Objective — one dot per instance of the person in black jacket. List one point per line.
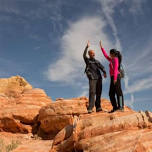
(92, 71)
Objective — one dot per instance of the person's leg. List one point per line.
(119, 93)
(98, 95)
(112, 93)
(92, 92)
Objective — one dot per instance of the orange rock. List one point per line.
(34, 97)
(13, 86)
(24, 109)
(102, 132)
(18, 113)
(120, 141)
(23, 143)
(34, 146)
(57, 115)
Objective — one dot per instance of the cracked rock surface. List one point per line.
(35, 123)
(127, 131)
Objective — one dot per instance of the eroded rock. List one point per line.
(19, 111)
(104, 132)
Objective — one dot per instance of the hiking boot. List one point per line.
(99, 109)
(120, 103)
(113, 110)
(120, 109)
(89, 111)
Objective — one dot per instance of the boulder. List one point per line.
(57, 115)
(13, 86)
(19, 110)
(102, 132)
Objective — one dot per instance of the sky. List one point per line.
(43, 41)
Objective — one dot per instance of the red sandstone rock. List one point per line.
(13, 86)
(19, 113)
(34, 97)
(21, 108)
(120, 141)
(57, 115)
(23, 143)
(106, 132)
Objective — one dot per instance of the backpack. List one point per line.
(120, 68)
(122, 71)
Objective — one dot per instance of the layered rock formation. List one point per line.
(13, 86)
(57, 115)
(20, 105)
(96, 132)
(99, 132)
(25, 110)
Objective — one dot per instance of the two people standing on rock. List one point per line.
(92, 71)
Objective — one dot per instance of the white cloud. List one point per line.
(74, 41)
(108, 8)
(70, 66)
(140, 85)
(141, 62)
(135, 66)
(138, 69)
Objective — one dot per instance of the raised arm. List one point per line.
(104, 52)
(85, 52)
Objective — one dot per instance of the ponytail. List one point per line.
(119, 58)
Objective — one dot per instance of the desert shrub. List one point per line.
(8, 148)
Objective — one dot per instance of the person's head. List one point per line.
(91, 53)
(113, 53)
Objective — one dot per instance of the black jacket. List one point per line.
(93, 67)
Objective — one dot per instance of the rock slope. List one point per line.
(127, 131)
(30, 117)
(20, 105)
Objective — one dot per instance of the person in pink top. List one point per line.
(115, 86)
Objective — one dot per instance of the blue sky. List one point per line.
(43, 41)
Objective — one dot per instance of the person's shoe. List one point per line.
(89, 111)
(113, 110)
(99, 109)
(121, 110)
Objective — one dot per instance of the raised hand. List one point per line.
(100, 44)
(105, 75)
(115, 81)
(88, 44)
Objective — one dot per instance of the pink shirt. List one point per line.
(113, 66)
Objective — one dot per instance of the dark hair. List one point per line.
(117, 54)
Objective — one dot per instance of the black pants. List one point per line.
(115, 89)
(95, 88)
